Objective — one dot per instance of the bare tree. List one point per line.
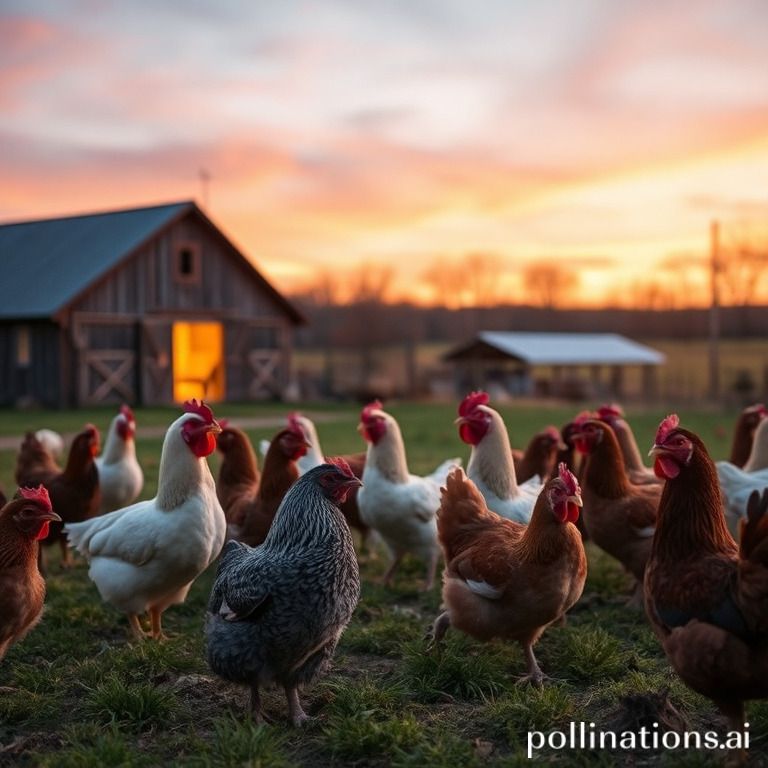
(547, 283)
(743, 263)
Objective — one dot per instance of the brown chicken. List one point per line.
(744, 433)
(74, 492)
(23, 522)
(278, 475)
(504, 579)
(637, 472)
(706, 597)
(238, 480)
(539, 456)
(34, 462)
(618, 515)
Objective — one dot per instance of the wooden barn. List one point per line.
(149, 305)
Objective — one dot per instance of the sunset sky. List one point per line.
(340, 134)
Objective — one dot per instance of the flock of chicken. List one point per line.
(510, 530)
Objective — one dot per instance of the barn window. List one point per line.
(23, 347)
(187, 267)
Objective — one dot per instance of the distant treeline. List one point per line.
(371, 323)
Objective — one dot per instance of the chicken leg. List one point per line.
(535, 676)
(386, 579)
(155, 615)
(438, 629)
(136, 628)
(255, 705)
(297, 714)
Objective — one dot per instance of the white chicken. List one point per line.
(120, 476)
(491, 467)
(52, 441)
(400, 506)
(146, 556)
(758, 456)
(737, 485)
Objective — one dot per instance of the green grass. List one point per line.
(77, 692)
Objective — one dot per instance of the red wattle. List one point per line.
(466, 434)
(665, 468)
(573, 512)
(581, 445)
(204, 445)
(44, 530)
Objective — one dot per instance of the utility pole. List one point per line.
(714, 312)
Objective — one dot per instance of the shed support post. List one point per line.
(617, 382)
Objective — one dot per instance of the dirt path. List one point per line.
(12, 442)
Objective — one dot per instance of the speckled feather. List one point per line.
(293, 595)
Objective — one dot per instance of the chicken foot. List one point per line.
(297, 714)
(535, 676)
(136, 628)
(437, 631)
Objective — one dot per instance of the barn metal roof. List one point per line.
(47, 263)
(561, 349)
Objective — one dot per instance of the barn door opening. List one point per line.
(198, 361)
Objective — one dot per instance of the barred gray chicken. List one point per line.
(276, 611)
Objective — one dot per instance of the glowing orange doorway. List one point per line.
(198, 361)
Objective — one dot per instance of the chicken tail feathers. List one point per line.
(754, 529)
(462, 511)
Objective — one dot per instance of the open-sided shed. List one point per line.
(146, 305)
(573, 365)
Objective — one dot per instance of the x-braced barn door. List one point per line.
(256, 360)
(106, 354)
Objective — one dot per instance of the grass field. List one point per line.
(77, 693)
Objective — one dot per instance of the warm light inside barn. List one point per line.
(198, 361)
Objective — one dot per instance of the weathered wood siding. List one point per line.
(146, 291)
(37, 383)
(147, 283)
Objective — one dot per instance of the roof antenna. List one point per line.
(205, 179)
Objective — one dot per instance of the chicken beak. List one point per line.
(576, 499)
(461, 420)
(353, 482)
(215, 428)
(561, 446)
(50, 515)
(656, 450)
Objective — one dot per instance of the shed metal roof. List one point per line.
(48, 263)
(563, 348)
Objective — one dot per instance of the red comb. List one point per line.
(610, 412)
(666, 426)
(293, 421)
(471, 401)
(200, 409)
(366, 413)
(342, 464)
(580, 418)
(571, 483)
(37, 494)
(127, 412)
